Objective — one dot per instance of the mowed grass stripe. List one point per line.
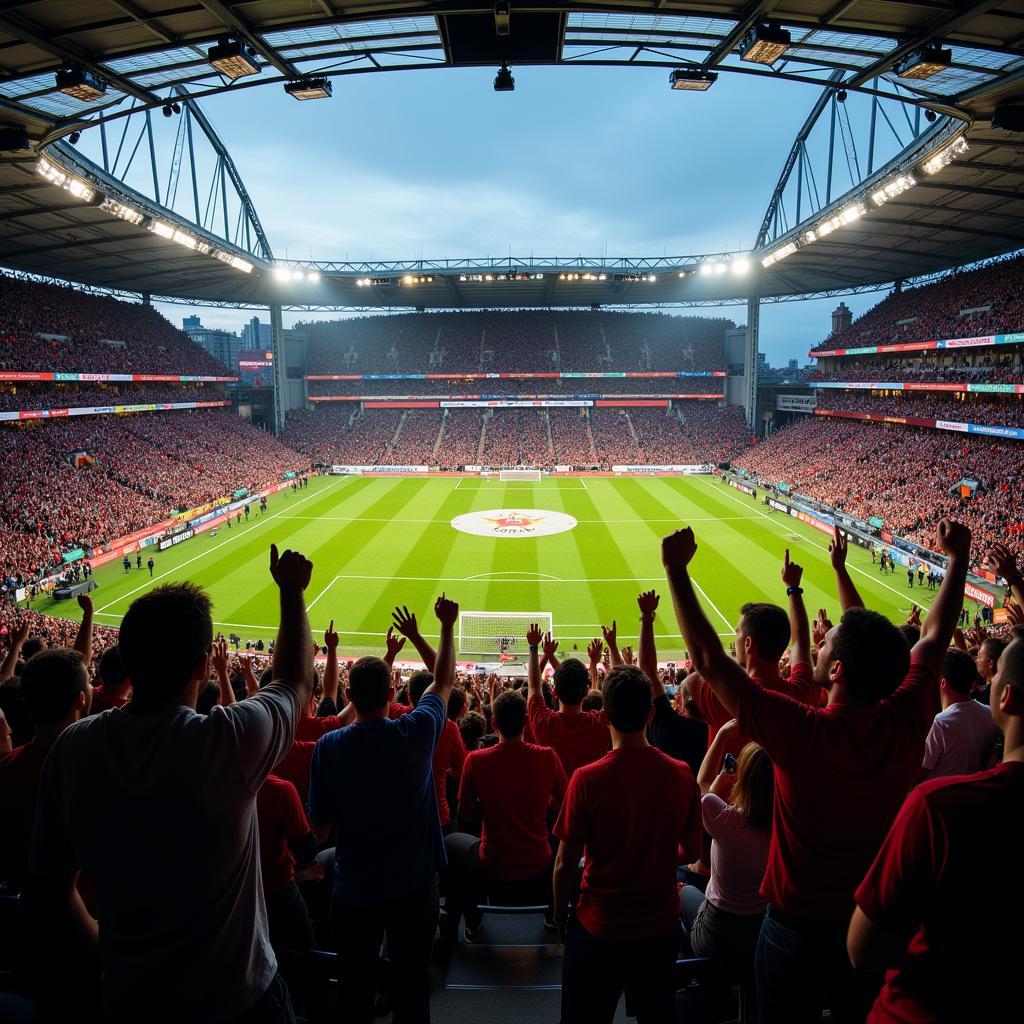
(514, 561)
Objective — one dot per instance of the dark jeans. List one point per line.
(273, 1007)
(717, 933)
(290, 926)
(596, 972)
(409, 923)
(801, 966)
(467, 883)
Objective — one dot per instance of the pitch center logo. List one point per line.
(514, 522)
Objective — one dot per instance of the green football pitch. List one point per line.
(378, 542)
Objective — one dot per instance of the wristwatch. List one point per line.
(790, 591)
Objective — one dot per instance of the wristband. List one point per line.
(790, 591)
(533, 648)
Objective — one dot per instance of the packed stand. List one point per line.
(907, 477)
(661, 821)
(527, 388)
(91, 333)
(21, 396)
(963, 366)
(969, 303)
(1005, 411)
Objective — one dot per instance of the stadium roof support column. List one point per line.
(750, 362)
(280, 369)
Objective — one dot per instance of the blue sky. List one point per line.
(587, 161)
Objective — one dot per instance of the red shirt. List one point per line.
(295, 766)
(577, 739)
(310, 728)
(633, 810)
(949, 833)
(281, 820)
(397, 710)
(513, 785)
(103, 699)
(19, 792)
(449, 756)
(841, 774)
(800, 686)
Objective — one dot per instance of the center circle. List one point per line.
(514, 522)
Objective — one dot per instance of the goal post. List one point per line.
(499, 634)
(531, 475)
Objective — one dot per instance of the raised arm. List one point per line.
(647, 650)
(444, 665)
(800, 627)
(550, 645)
(723, 675)
(848, 595)
(394, 644)
(405, 623)
(954, 540)
(83, 641)
(1003, 562)
(331, 668)
(252, 684)
(219, 663)
(533, 639)
(594, 651)
(610, 634)
(18, 638)
(293, 660)
(711, 766)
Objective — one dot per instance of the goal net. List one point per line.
(500, 635)
(532, 475)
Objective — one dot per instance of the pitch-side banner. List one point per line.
(339, 470)
(922, 346)
(688, 470)
(989, 430)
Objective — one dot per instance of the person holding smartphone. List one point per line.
(736, 807)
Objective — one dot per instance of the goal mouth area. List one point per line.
(500, 636)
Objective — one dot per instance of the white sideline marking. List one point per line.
(334, 580)
(902, 595)
(584, 482)
(458, 483)
(203, 554)
(515, 572)
(728, 626)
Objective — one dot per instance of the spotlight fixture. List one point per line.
(502, 17)
(166, 110)
(503, 80)
(778, 254)
(930, 116)
(310, 88)
(691, 80)
(233, 58)
(924, 63)
(81, 84)
(945, 156)
(893, 188)
(74, 137)
(764, 44)
(57, 176)
(841, 96)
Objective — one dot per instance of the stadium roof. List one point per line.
(143, 49)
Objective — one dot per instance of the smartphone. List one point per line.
(729, 764)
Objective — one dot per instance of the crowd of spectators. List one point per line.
(808, 813)
(1007, 411)
(554, 387)
(689, 433)
(970, 303)
(989, 366)
(509, 341)
(908, 477)
(70, 396)
(51, 327)
(131, 472)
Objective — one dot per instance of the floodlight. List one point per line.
(764, 44)
(924, 63)
(81, 84)
(778, 254)
(282, 273)
(74, 137)
(310, 88)
(56, 176)
(297, 275)
(233, 261)
(741, 265)
(503, 80)
(706, 269)
(233, 58)
(158, 227)
(945, 156)
(691, 80)
(313, 275)
(930, 116)
(122, 211)
(892, 188)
